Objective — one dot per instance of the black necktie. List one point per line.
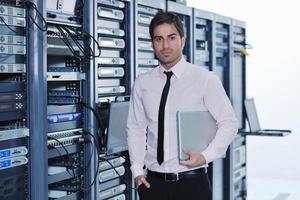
(161, 119)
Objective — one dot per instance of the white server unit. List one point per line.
(145, 58)
(202, 41)
(114, 65)
(221, 45)
(236, 179)
(109, 183)
(237, 82)
(185, 13)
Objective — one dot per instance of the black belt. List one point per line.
(177, 176)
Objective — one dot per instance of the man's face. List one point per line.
(167, 44)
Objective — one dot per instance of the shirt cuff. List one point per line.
(137, 170)
(208, 155)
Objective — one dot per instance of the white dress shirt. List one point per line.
(192, 88)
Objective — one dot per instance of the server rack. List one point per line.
(235, 174)
(220, 65)
(114, 76)
(185, 13)
(66, 72)
(114, 64)
(237, 71)
(14, 102)
(221, 53)
(202, 40)
(145, 58)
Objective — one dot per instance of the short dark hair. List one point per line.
(166, 17)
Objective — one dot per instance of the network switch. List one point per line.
(110, 13)
(143, 32)
(148, 62)
(111, 163)
(13, 162)
(112, 191)
(67, 133)
(12, 97)
(52, 170)
(12, 21)
(12, 11)
(13, 152)
(111, 53)
(12, 39)
(13, 133)
(239, 156)
(239, 38)
(12, 68)
(111, 31)
(63, 93)
(142, 70)
(110, 72)
(108, 82)
(153, 4)
(66, 141)
(12, 49)
(200, 34)
(239, 174)
(11, 107)
(240, 190)
(113, 3)
(147, 10)
(111, 90)
(144, 19)
(119, 197)
(111, 174)
(111, 61)
(56, 46)
(63, 69)
(55, 194)
(202, 55)
(62, 100)
(145, 45)
(106, 99)
(65, 76)
(111, 42)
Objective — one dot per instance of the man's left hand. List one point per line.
(194, 159)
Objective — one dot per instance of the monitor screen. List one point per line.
(252, 115)
(116, 132)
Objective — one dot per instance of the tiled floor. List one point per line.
(273, 189)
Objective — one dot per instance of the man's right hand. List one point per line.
(141, 180)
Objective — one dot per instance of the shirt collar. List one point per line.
(177, 69)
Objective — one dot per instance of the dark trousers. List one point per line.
(196, 188)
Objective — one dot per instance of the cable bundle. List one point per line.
(73, 37)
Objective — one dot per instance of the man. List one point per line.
(175, 85)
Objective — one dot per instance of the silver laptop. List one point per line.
(254, 122)
(196, 129)
(116, 134)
